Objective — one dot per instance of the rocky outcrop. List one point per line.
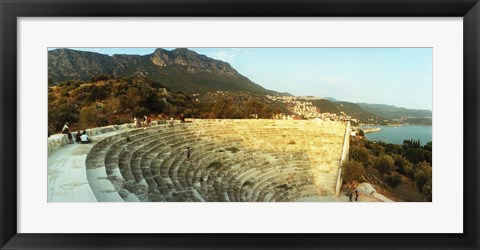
(66, 64)
(194, 62)
(179, 70)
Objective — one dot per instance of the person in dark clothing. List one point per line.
(189, 153)
(356, 195)
(78, 137)
(350, 194)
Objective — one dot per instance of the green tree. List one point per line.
(375, 148)
(384, 164)
(352, 171)
(224, 108)
(407, 143)
(360, 154)
(361, 133)
(427, 191)
(401, 164)
(140, 111)
(253, 106)
(423, 174)
(420, 179)
(266, 112)
(393, 149)
(134, 97)
(100, 78)
(60, 112)
(415, 155)
(93, 116)
(410, 173)
(393, 180)
(428, 146)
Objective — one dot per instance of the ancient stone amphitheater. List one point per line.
(231, 161)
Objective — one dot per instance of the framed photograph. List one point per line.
(239, 125)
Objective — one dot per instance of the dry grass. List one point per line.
(403, 192)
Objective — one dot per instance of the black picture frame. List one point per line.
(10, 10)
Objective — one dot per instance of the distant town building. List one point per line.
(302, 106)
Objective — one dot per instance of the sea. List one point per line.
(397, 134)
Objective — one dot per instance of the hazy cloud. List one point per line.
(228, 55)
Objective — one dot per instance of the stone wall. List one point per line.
(57, 141)
(345, 151)
(326, 143)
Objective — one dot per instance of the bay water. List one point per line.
(397, 134)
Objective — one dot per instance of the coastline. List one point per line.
(397, 134)
(371, 130)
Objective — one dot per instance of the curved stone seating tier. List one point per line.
(230, 161)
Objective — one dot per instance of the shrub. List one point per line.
(58, 114)
(384, 164)
(352, 171)
(420, 179)
(360, 154)
(402, 165)
(416, 155)
(361, 133)
(101, 78)
(93, 116)
(376, 149)
(140, 111)
(393, 180)
(427, 191)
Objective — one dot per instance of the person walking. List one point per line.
(356, 195)
(350, 194)
(189, 153)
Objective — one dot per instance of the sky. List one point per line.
(393, 76)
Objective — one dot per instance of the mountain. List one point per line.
(65, 64)
(331, 99)
(178, 70)
(351, 109)
(381, 111)
(392, 112)
(183, 70)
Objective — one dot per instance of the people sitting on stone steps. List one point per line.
(149, 121)
(78, 138)
(66, 130)
(85, 138)
(137, 122)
